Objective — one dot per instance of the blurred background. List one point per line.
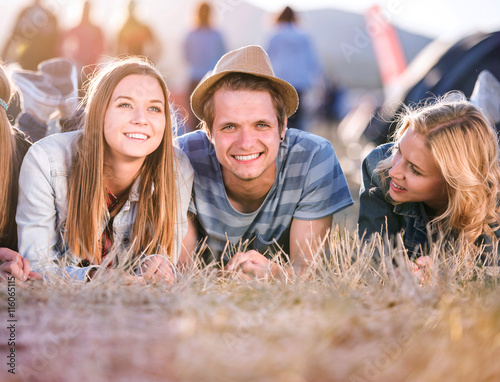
(364, 58)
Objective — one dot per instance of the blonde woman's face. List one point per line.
(415, 176)
(135, 119)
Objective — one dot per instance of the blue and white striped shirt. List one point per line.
(309, 185)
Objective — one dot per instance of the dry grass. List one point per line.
(353, 319)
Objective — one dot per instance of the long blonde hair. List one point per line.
(465, 147)
(153, 230)
(8, 153)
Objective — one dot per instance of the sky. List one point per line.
(433, 18)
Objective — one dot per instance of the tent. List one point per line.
(456, 68)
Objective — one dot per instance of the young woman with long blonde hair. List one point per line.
(88, 198)
(440, 178)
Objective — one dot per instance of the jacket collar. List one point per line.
(134, 192)
(413, 210)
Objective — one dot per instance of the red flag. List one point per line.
(389, 53)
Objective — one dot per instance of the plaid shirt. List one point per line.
(107, 235)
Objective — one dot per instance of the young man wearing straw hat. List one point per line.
(260, 189)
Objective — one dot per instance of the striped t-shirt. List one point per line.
(309, 185)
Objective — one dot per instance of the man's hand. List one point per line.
(12, 263)
(252, 265)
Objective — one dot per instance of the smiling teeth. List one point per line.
(137, 136)
(246, 157)
(399, 188)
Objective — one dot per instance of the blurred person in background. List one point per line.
(294, 59)
(49, 97)
(34, 38)
(137, 38)
(203, 47)
(84, 44)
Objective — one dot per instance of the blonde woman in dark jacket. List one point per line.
(439, 179)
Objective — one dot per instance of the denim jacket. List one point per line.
(377, 214)
(42, 206)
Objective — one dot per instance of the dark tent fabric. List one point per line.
(457, 69)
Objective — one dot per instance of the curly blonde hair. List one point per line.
(465, 147)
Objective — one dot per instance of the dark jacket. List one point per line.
(377, 214)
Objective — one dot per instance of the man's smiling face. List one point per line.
(245, 135)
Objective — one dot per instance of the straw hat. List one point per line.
(251, 59)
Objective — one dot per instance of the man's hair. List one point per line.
(242, 81)
(153, 230)
(465, 147)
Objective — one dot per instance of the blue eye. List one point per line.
(154, 108)
(125, 105)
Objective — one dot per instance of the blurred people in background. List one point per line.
(34, 38)
(137, 38)
(84, 44)
(203, 47)
(49, 95)
(294, 59)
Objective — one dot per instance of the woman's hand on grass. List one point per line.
(422, 269)
(12, 263)
(158, 268)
